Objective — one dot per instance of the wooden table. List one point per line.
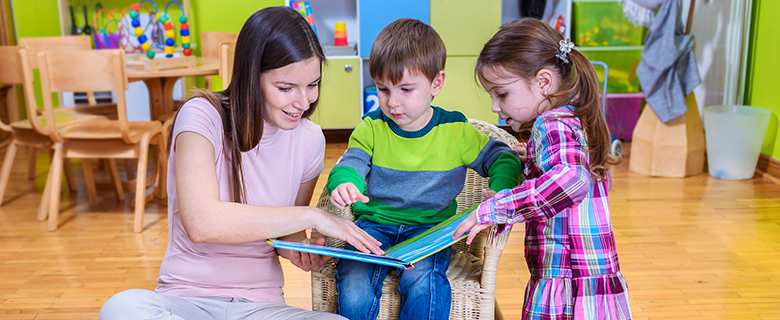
(160, 83)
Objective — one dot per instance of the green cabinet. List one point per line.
(462, 93)
(340, 94)
(465, 25)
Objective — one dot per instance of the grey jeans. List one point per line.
(144, 304)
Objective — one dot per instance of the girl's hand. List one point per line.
(488, 193)
(346, 194)
(471, 224)
(306, 261)
(522, 151)
(345, 230)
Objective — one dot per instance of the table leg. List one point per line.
(156, 97)
(161, 96)
(168, 84)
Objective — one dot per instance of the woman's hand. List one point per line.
(306, 261)
(522, 151)
(470, 225)
(346, 194)
(343, 229)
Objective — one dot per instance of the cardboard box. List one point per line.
(672, 149)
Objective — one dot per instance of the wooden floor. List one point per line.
(694, 248)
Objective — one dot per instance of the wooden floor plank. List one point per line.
(693, 248)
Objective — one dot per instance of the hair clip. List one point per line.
(565, 47)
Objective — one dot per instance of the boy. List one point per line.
(416, 156)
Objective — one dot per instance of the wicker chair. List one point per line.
(472, 271)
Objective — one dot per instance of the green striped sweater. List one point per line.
(412, 178)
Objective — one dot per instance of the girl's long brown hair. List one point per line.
(270, 39)
(526, 46)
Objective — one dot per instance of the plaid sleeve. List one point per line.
(565, 181)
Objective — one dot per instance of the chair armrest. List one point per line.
(323, 282)
(325, 204)
(494, 246)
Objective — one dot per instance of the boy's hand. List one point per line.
(471, 225)
(346, 194)
(521, 151)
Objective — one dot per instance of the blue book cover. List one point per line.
(402, 255)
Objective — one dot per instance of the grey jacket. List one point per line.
(668, 72)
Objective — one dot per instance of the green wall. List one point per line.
(764, 69)
(226, 16)
(38, 18)
(222, 16)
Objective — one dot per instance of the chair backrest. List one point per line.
(15, 69)
(227, 51)
(209, 43)
(63, 43)
(93, 70)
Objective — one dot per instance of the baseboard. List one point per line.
(768, 168)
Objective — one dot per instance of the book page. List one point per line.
(402, 255)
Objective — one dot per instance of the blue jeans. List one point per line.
(425, 290)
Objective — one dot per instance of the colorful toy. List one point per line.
(341, 34)
(170, 34)
(146, 40)
(304, 8)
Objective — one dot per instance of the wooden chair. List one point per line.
(210, 47)
(97, 70)
(31, 132)
(472, 271)
(68, 43)
(227, 51)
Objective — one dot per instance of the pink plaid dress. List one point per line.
(569, 243)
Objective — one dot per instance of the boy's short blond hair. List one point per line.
(407, 44)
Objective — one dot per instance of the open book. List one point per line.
(402, 255)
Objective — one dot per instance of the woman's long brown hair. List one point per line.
(270, 39)
(526, 46)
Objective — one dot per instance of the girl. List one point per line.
(533, 77)
(243, 165)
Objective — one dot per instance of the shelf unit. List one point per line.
(464, 26)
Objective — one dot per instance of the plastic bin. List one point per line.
(622, 62)
(105, 41)
(602, 23)
(734, 138)
(623, 113)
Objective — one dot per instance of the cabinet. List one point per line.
(340, 94)
(461, 91)
(375, 15)
(465, 26)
